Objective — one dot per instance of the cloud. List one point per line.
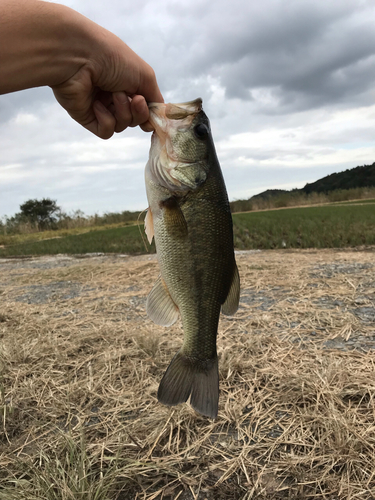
(307, 54)
(48, 155)
(288, 87)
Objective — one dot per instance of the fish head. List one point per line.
(180, 145)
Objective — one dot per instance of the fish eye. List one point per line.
(201, 131)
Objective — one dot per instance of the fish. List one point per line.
(189, 217)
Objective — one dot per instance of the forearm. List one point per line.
(94, 75)
(41, 44)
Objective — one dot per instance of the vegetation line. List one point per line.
(329, 226)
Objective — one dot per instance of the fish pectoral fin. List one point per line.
(230, 305)
(160, 306)
(149, 225)
(174, 219)
(199, 379)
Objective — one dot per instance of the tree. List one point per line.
(40, 212)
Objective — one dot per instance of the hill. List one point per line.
(270, 193)
(357, 177)
(354, 183)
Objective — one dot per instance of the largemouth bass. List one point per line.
(189, 217)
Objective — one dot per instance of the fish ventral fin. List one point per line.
(187, 376)
(230, 305)
(160, 306)
(174, 219)
(149, 225)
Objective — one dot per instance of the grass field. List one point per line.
(21, 238)
(333, 226)
(116, 240)
(330, 226)
(80, 365)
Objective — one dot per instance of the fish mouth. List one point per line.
(170, 120)
(184, 113)
(167, 120)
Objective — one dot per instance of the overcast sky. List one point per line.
(288, 87)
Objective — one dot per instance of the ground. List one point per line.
(80, 364)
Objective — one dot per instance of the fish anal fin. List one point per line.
(192, 377)
(174, 219)
(160, 306)
(230, 305)
(149, 225)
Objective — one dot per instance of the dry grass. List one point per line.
(80, 364)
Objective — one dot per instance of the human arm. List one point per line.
(90, 70)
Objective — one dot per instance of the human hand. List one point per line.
(94, 75)
(110, 92)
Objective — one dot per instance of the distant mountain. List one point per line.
(351, 178)
(358, 177)
(270, 193)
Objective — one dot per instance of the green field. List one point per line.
(116, 240)
(332, 226)
(30, 237)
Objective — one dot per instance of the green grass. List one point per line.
(15, 239)
(116, 240)
(331, 226)
(311, 227)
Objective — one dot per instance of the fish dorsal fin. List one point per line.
(230, 305)
(160, 306)
(174, 219)
(149, 225)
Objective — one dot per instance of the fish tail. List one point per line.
(187, 376)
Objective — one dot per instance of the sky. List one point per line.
(288, 87)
